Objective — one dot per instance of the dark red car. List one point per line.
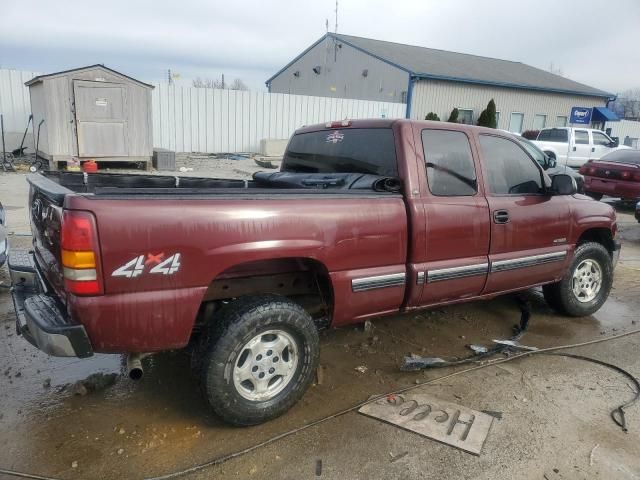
(366, 218)
(617, 174)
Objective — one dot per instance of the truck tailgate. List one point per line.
(45, 211)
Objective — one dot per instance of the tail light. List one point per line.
(625, 175)
(80, 253)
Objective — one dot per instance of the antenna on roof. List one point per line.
(326, 24)
(336, 31)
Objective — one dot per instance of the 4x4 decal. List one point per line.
(151, 263)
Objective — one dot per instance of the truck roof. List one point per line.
(388, 123)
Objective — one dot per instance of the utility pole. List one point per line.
(169, 77)
(223, 81)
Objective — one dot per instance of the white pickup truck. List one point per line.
(574, 146)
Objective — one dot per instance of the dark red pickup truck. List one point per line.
(366, 218)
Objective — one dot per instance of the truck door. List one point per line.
(600, 145)
(456, 233)
(529, 228)
(581, 150)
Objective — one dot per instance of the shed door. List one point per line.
(101, 119)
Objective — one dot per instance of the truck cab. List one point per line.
(574, 146)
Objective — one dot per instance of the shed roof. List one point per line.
(40, 78)
(430, 63)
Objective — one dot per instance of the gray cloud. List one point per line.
(252, 40)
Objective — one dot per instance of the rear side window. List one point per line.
(632, 157)
(582, 137)
(509, 169)
(553, 135)
(450, 168)
(358, 150)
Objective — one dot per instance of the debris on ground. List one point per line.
(320, 375)
(591, 455)
(494, 414)
(361, 369)
(395, 458)
(368, 326)
(74, 464)
(318, 468)
(478, 348)
(93, 383)
(46, 383)
(431, 417)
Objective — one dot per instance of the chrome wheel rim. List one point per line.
(265, 365)
(587, 280)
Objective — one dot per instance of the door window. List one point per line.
(515, 122)
(450, 168)
(539, 122)
(509, 169)
(600, 139)
(581, 137)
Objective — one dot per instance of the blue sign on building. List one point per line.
(580, 115)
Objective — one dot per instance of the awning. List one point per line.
(603, 114)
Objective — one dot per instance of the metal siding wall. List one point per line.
(441, 97)
(341, 75)
(209, 120)
(625, 128)
(187, 119)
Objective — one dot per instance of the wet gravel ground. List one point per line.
(554, 410)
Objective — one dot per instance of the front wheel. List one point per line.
(586, 285)
(262, 355)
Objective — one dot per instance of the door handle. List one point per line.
(501, 216)
(593, 149)
(574, 149)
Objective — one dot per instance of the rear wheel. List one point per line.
(586, 285)
(262, 355)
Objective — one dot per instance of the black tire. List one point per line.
(595, 196)
(232, 329)
(560, 295)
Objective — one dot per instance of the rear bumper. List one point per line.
(39, 318)
(613, 188)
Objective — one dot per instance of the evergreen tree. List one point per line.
(453, 118)
(487, 117)
(432, 116)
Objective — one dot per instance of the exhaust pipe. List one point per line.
(134, 366)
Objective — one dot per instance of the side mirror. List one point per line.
(615, 142)
(551, 162)
(563, 184)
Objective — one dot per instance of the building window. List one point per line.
(403, 96)
(515, 122)
(450, 168)
(497, 119)
(539, 121)
(561, 121)
(465, 116)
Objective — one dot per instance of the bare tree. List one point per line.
(238, 85)
(627, 105)
(219, 84)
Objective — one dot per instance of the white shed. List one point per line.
(92, 112)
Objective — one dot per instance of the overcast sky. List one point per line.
(592, 41)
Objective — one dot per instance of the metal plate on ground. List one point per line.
(431, 417)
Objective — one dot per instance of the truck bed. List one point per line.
(55, 185)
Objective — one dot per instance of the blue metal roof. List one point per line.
(603, 114)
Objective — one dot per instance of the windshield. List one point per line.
(363, 150)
